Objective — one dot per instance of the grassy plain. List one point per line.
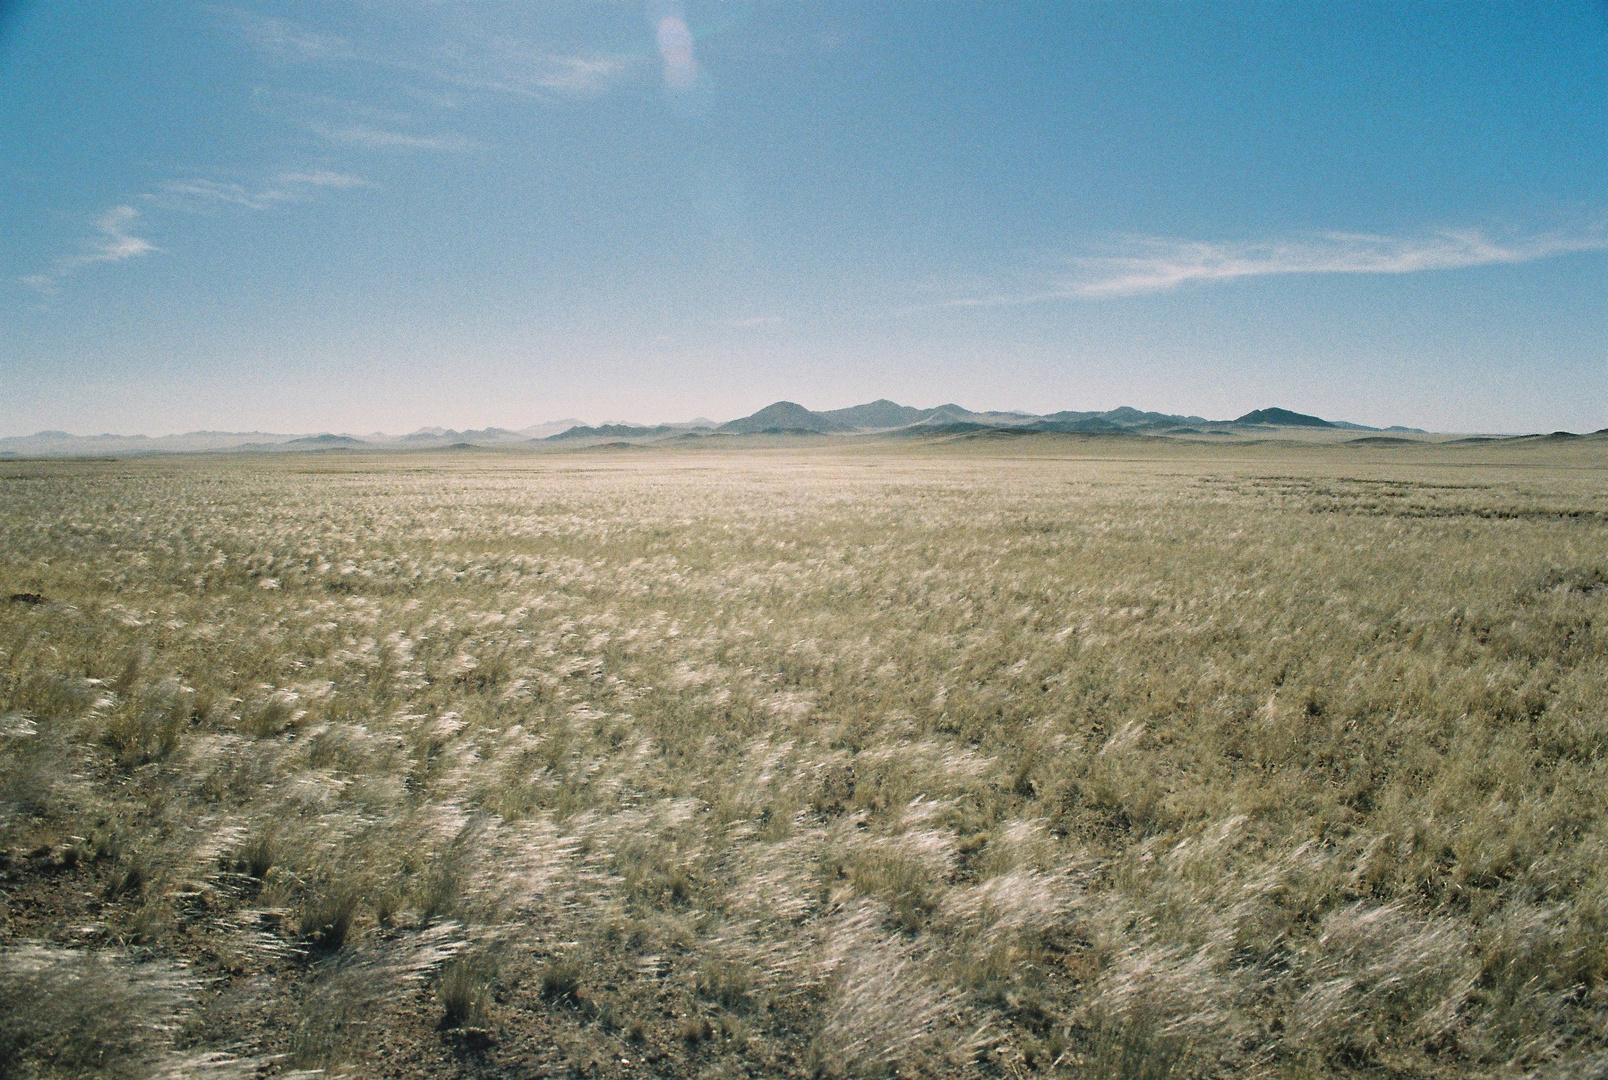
(1096, 758)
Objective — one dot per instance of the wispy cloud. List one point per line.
(1151, 265)
(114, 241)
(373, 138)
(1156, 265)
(452, 52)
(284, 39)
(581, 75)
(115, 238)
(285, 188)
(322, 178)
(522, 70)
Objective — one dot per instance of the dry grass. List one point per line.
(1106, 759)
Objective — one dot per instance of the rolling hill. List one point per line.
(781, 418)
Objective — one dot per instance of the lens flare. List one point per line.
(675, 46)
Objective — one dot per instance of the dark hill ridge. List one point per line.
(881, 413)
(615, 431)
(884, 416)
(1283, 418)
(880, 417)
(787, 417)
(484, 435)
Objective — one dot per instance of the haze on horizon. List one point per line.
(355, 216)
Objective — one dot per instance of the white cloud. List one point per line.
(1150, 265)
(284, 39)
(115, 239)
(580, 75)
(285, 188)
(322, 178)
(213, 191)
(455, 54)
(372, 138)
(114, 242)
(1156, 265)
(513, 66)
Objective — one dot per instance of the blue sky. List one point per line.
(381, 214)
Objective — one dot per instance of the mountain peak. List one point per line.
(784, 416)
(1283, 418)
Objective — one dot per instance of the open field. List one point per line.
(1097, 758)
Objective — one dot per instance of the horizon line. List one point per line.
(380, 437)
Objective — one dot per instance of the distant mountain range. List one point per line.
(889, 417)
(62, 444)
(783, 418)
(788, 418)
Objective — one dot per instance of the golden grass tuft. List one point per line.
(1050, 758)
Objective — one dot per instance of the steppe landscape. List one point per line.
(1156, 630)
(969, 755)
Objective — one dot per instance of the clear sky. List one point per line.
(358, 215)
